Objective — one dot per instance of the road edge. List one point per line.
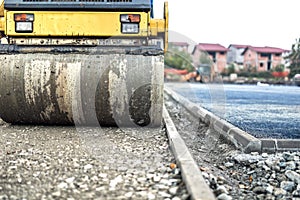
(191, 174)
(241, 139)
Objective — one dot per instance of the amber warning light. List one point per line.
(134, 18)
(22, 17)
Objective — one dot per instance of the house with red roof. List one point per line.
(262, 58)
(216, 52)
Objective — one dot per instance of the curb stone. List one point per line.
(241, 139)
(191, 174)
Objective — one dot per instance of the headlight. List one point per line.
(130, 28)
(24, 27)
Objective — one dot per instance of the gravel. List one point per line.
(232, 174)
(39, 162)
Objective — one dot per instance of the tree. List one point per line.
(179, 59)
(205, 59)
(295, 59)
(231, 69)
(279, 68)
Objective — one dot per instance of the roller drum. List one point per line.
(115, 89)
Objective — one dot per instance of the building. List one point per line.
(181, 46)
(262, 58)
(234, 55)
(216, 53)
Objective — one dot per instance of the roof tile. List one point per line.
(211, 47)
(266, 49)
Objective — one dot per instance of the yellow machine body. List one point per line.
(82, 24)
(75, 64)
(75, 24)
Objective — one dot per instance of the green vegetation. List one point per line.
(229, 70)
(247, 74)
(251, 72)
(205, 59)
(178, 59)
(295, 59)
(279, 68)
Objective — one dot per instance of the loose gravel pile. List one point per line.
(232, 174)
(275, 176)
(39, 162)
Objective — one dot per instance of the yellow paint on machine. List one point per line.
(48, 23)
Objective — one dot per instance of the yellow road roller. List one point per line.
(82, 62)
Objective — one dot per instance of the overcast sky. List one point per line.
(274, 23)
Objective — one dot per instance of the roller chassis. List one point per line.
(82, 62)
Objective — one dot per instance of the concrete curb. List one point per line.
(280, 145)
(191, 174)
(241, 139)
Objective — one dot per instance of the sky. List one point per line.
(274, 23)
